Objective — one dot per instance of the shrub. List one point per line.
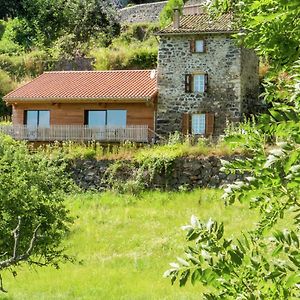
(134, 48)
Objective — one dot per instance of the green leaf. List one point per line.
(277, 250)
(220, 231)
(184, 277)
(235, 258)
(196, 275)
(292, 280)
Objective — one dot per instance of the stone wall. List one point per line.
(184, 172)
(222, 63)
(141, 13)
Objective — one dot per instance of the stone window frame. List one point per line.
(193, 45)
(189, 82)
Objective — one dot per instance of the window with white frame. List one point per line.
(199, 83)
(199, 46)
(198, 123)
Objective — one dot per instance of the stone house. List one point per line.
(204, 78)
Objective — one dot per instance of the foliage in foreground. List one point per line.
(263, 263)
(33, 219)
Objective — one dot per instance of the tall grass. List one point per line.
(175, 146)
(123, 244)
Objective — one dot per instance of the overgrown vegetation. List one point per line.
(135, 48)
(175, 146)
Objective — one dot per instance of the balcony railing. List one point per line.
(135, 133)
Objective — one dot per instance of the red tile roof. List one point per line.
(88, 85)
(201, 23)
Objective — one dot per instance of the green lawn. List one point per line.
(123, 244)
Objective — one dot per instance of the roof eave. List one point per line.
(197, 32)
(18, 100)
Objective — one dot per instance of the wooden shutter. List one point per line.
(193, 46)
(205, 82)
(188, 83)
(186, 123)
(209, 124)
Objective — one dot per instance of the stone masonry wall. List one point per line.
(222, 63)
(185, 172)
(141, 13)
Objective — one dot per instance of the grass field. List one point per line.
(123, 244)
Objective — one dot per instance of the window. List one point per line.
(196, 83)
(116, 117)
(197, 46)
(36, 118)
(98, 118)
(198, 124)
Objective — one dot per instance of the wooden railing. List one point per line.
(136, 133)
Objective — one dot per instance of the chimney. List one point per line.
(176, 18)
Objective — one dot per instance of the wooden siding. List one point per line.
(73, 114)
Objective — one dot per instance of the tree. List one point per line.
(6, 85)
(263, 263)
(10, 8)
(89, 18)
(48, 20)
(271, 27)
(33, 217)
(166, 14)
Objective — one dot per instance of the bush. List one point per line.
(135, 48)
(165, 17)
(31, 64)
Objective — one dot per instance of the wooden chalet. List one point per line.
(108, 106)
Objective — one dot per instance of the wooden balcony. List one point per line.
(134, 133)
